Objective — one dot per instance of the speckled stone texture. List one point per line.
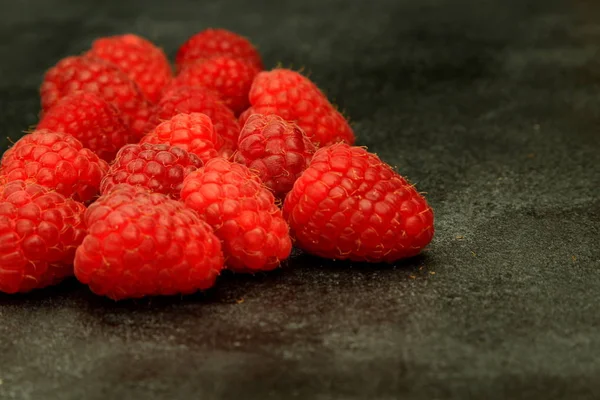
(491, 107)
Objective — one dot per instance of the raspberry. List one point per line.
(144, 63)
(57, 161)
(139, 120)
(90, 119)
(277, 150)
(217, 42)
(142, 244)
(242, 212)
(39, 232)
(94, 75)
(192, 132)
(349, 204)
(200, 100)
(231, 78)
(158, 167)
(295, 98)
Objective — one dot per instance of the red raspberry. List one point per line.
(217, 42)
(231, 78)
(39, 232)
(92, 120)
(139, 121)
(192, 132)
(277, 150)
(94, 75)
(158, 167)
(57, 161)
(143, 244)
(295, 98)
(242, 212)
(200, 100)
(144, 63)
(349, 204)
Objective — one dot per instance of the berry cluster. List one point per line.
(143, 181)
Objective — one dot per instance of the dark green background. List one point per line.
(489, 106)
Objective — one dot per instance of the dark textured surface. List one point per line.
(491, 106)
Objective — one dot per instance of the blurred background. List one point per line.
(491, 107)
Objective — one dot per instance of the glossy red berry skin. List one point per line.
(217, 42)
(277, 150)
(57, 161)
(92, 120)
(159, 168)
(145, 244)
(243, 213)
(230, 78)
(73, 74)
(200, 100)
(192, 132)
(39, 232)
(349, 204)
(144, 63)
(295, 98)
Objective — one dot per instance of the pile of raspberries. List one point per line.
(141, 179)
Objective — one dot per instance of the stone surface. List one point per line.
(491, 107)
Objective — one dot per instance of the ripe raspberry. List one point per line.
(277, 150)
(94, 75)
(192, 132)
(349, 204)
(57, 161)
(242, 212)
(158, 167)
(144, 63)
(139, 120)
(92, 120)
(230, 78)
(200, 100)
(295, 98)
(143, 244)
(39, 232)
(217, 42)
